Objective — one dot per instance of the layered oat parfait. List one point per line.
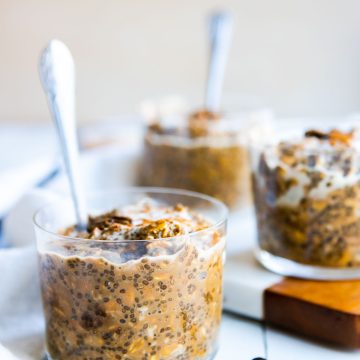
(203, 151)
(307, 197)
(143, 281)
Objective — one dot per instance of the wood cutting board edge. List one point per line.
(311, 320)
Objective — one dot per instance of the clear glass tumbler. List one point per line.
(132, 299)
(202, 152)
(307, 201)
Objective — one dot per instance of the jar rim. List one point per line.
(222, 208)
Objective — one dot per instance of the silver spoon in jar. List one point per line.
(57, 73)
(221, 25)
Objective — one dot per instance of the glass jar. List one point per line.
(307, 201)
(202, 152)
(132, 299)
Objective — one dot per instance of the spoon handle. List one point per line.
(57, 73)
(221, 24)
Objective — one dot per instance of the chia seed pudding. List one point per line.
(204, 152)
(143, 282)
(307, 197)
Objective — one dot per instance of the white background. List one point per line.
(300, 56)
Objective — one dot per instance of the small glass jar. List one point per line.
(307, 201)
(132, 299)
(203, 152)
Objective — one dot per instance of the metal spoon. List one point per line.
(221, 25)
(57, 73)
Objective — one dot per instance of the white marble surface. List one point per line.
(19, 147)
(284, 346)
(244, 339)
(240, 339)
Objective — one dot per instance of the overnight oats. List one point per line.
(203, 152)
(307, 197)
(143, 281)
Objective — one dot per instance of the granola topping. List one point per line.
(144, 221)
(201, 128)
(315, 166)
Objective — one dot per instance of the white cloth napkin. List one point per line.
(21, 319)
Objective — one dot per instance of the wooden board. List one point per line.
(328, 311)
